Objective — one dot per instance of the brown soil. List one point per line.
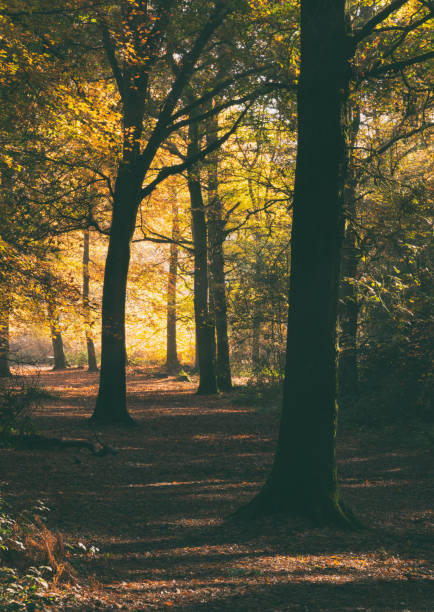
(155, 510)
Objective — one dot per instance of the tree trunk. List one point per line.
(4, 339)
(303, 480)
(349, 305)
(257, 315)
(211, 318)
(204, 330)
(56, 340)
(216, 238)
(91, 356)
(172, 362)
(111, 406)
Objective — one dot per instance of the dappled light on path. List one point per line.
(154, 512)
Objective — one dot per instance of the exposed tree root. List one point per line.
(323, 511)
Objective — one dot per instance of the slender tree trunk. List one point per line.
(303, 480)
(204, 330)
(56, 339)
(256, 335)
(91, 356)
(172, 362)
(111, 404)
(4, 339)
(216, 238)
(211, 317)
(349, 305)
(257, 315)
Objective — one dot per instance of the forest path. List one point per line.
(154, 511)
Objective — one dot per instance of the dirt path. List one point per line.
(154, 511)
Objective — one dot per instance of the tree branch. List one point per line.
(381, 16)
(181, 80)
(111, 56)
(186, 110)
(269, 87)
(397, 66)
(396, 139)
(178, 168)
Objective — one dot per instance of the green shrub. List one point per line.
(19, 396)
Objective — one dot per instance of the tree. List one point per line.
(303, 480)
(172, 362)
(4, 336)
(204, 329)
(143, 35)
(216, 237)
(91, 356)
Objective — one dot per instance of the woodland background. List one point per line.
(157, 141)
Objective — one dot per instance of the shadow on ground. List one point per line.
(154, 511)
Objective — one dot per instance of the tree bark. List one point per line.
(349, 303)
(132, 79)
(56, 340)
(303, 480)
(91, 356)
(111, 404)
(216, 238)
(4, 339)
(257, 316)
(204, 329)
(172, 362)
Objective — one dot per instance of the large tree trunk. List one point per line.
(111, 404)
(303, 480)
(204, 329)
(216, 238)
(4, 339)
(172, 362)
(91, 356)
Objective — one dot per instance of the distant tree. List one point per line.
(172, 362)
(205, 347)
(91, 356)
(4, 335)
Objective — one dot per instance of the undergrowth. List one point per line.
(264, 397)
(32, 560)
(20, 395)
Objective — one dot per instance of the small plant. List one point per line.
(183, 376)
(32, 559)
(19, 396)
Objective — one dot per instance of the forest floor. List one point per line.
(146, 525)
